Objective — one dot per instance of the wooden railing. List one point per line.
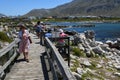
(57, 65)
(64, 49)
(7, 57)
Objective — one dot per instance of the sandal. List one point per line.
(27, 60)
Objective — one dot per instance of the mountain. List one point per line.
(38, 12)
(1, 15)
(81, 7)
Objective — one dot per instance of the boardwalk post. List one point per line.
(42, 35)
(8, 57)
(68, 51)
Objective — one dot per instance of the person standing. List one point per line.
(61, 42)
(25, 41)
(62, 34)
(38, 29)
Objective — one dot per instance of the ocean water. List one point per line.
(103, 31)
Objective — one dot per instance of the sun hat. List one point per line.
(21, 25)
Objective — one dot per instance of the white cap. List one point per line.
(60, 30)
(41, 22)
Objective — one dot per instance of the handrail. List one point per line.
(11, 54)
(9, 47)
(57, 63)
(66, 46)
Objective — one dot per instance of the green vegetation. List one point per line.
(91, 76)
(78, 52)
(4, 37)
(76, 64)
(93, 65)
(77, 19)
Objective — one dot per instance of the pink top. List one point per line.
(24, 43)
(62, 35)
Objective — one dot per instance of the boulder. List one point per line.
(117, 74)
(99, 66)
(73, 57)
(85, 62)
(98, 50)
(81, 47)
(117, 66)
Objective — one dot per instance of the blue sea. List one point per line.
(103, 31)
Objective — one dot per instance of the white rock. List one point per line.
(78, 77)
(80, 71)
(99, 66)
(73, 57)
(87, 69)
(117, 66)
(117, 74)
(87, 63)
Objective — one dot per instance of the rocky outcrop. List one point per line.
(86, 42)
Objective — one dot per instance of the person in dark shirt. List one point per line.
(38, 29)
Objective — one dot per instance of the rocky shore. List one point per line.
(101, 60)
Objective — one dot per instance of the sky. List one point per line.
(21, 7)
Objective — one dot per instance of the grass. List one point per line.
(91, 76)
(76, 64)
(4, 37)
(78, 52)
(93, 65)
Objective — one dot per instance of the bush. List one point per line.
(78, 52)
(4, 37)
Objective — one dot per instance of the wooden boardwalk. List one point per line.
(33, 70)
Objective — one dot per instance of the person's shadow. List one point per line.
(20, 60)
(37, 42)
(46, 71)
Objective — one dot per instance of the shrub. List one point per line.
(76, 64)
(4, 37)
(78, 52)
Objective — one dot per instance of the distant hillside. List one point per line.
(1, 15)
(81, 7)
(38, 12)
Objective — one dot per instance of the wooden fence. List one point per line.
(58, 66)
(7, 57)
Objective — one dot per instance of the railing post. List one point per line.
(68, 51)
(8, 57)
(41, 37)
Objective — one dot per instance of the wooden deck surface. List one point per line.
(33, 70)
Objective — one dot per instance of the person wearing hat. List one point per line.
(25, 41)
(61, 41)
(62, 34)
